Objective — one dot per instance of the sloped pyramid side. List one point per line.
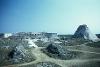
(84, 32)
(92, 36)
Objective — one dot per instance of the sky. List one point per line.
(60, 16)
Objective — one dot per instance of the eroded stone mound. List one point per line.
(60, 52)
(20, 55)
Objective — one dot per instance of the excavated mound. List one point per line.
(59, 52)
(20, 55)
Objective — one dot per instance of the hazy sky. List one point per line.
(62, 16)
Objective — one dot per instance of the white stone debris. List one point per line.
(31, 43)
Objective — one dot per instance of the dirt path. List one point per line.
(84, 51)
(43, 57)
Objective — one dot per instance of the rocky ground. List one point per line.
(87, 59)
(53, 55)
